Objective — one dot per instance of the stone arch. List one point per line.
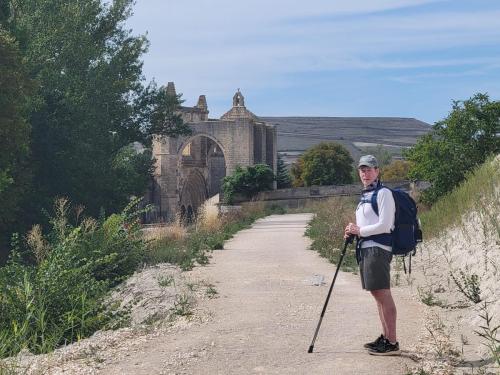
(206, 154)
(188, 140)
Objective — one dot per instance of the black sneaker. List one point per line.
(374, 344)
(385, 348)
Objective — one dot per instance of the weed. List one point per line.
(211, 292)
(468, 285)
(489, 333)
(464, 339)
(56, 299)
(441, 338)
(165, 281)
(183, 305)
(428, 298)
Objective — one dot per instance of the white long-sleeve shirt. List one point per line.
(368, 221)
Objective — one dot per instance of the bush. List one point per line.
(51, 291)
(247, 182)
(327, 163)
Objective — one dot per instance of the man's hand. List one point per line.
(351, 228)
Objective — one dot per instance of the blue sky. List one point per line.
(405, 58)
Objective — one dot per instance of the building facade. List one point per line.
(190, 169)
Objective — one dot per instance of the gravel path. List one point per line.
(267, 309)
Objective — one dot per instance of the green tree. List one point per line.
(283, 179)
(247, 182)
(456, 145)
(14, 133)
(327, 163)
(92, 101)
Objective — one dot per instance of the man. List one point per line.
(374, 252)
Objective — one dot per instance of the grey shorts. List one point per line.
(375, 268)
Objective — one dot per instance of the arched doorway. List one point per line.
(201, 168)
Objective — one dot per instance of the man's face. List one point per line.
(367, 175)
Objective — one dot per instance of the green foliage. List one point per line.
(468, 284)
(133, 170)
(326, 230)
(14, 133)
(56, 298)
(428, 297)
(165, 120)
(283, 178)
(89, 105)
(247, 182)
(456, 145)
(327, 163)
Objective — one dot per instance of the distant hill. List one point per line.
(297, 134)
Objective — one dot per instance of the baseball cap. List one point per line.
(368, 161)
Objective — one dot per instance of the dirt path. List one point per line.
(267, 309)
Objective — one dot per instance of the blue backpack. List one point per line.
(406, 233)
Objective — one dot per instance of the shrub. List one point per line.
(327, 163)
(51, 291)
(247, 182)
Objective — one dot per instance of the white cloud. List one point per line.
(218, 45)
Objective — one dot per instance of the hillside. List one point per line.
(296, 134)
(456, 274)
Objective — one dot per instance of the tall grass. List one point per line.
(327, 228)
(480, 191)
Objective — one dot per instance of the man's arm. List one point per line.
(386, 212)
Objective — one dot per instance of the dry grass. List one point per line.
(208, 217)
(37, 243)
(174, 231)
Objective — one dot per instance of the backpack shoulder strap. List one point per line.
(375, 195)
(374, 201)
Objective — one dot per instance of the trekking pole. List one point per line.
(347, 242)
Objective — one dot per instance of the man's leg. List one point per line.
(387, 312)
(382, 320)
